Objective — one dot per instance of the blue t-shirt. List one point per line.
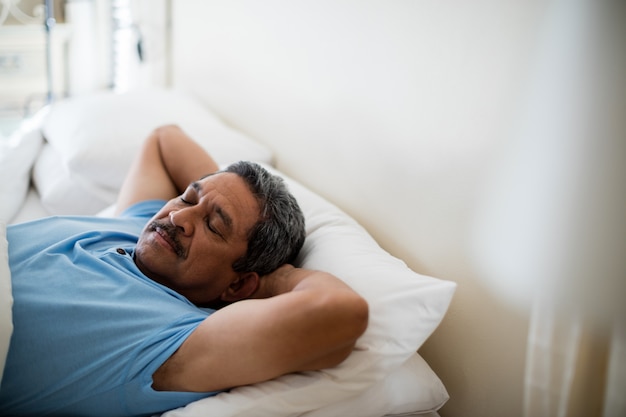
(89, 328)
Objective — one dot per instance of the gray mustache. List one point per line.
(172, 233)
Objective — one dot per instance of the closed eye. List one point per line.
(213, 229)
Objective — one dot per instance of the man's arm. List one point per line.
(168, 162)
(303, 320)
(299, 320)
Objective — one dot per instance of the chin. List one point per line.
(144, 259)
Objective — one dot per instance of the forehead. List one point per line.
(231, 195)
(222, 181)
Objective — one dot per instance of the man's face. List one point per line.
(192, 242)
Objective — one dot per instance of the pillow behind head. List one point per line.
(405, 307)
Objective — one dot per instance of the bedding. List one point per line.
(6, 299)
(384, 375)
(91, 140)
(31, 208)
(413, 389)
(17, 154)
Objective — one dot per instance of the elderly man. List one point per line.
(188, 292)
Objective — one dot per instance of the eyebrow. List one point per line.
(226, 219)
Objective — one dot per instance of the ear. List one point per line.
(242, 287)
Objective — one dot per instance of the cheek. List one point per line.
(164, 212)
(211, 265)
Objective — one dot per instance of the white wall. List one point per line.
(393, 110)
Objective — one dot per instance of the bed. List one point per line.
(71, 157)
(391, 120)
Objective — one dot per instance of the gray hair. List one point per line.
(279, 234)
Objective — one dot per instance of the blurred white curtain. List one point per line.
(551, 234)
(573, 366)
(85, 57)
(140, 44)
(120, 44)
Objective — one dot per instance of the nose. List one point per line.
(181, 219)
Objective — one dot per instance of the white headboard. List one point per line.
(393, 110)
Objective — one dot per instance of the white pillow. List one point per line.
(94, 138)
(405, 308)
(31, 209)
(413, 388)
(17, 154)
(61, 192)
(6, 299)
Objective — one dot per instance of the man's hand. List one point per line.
(288, 278)
(283, 280)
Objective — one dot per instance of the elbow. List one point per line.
(347, 319)
(351, 315)
(354, 321)
(166, 127)
(360, 317)
(354, 326)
